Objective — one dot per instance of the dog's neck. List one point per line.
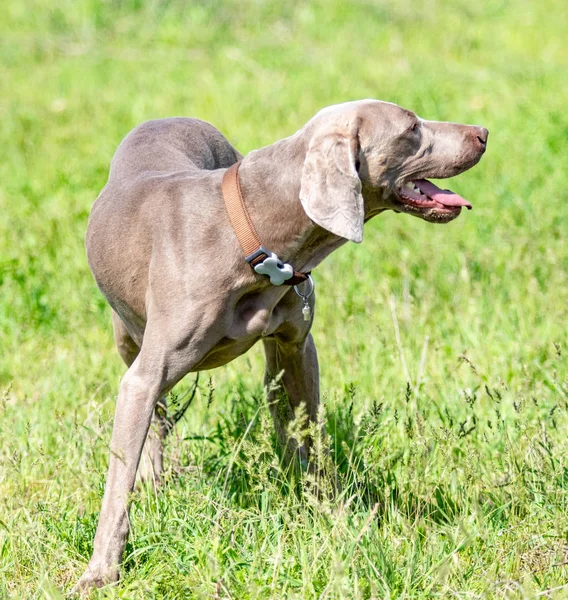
(270, 182)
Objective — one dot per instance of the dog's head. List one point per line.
(368, 156)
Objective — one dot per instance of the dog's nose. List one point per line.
(480, 134)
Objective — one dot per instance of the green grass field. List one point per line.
(451, 443)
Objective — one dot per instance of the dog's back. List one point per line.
(171, 145)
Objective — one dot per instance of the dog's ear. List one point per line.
(330, 189)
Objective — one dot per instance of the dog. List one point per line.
(167, 245)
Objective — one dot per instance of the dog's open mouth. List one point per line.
(426, 200)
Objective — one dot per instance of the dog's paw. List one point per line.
(95, 576)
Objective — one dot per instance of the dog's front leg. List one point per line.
(299, 385)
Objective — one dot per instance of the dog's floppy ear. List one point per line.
(330, 189)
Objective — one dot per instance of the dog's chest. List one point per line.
(253, 318)
(249, 323)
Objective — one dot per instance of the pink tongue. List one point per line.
(445, 197)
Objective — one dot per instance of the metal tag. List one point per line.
(306, 310)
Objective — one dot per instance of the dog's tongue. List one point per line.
(445, 197)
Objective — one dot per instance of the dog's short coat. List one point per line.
(163, 252)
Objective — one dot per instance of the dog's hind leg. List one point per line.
(167, 354)
(126, 346)
(152, 460)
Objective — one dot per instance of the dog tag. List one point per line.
(306, 310)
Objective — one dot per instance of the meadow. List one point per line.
(443, 349)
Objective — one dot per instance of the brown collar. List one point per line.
(261, 259)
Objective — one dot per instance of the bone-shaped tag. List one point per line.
(278, 271)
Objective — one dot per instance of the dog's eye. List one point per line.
(414, 126)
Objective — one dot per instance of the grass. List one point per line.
(450, 440)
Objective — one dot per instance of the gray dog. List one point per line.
(168, 255)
